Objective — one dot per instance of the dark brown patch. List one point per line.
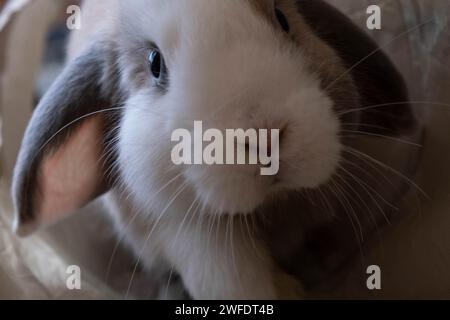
(375, 78)
(309, 237)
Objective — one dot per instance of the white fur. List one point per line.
(230, 68)
(227, 75)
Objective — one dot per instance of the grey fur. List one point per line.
(88, 84)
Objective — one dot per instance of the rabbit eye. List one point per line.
(157, 67)
(156, 63)
(282, 20)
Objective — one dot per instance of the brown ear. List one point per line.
(381, 87)
(60, 167)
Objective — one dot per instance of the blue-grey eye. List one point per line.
(282, 20)
(156, 63)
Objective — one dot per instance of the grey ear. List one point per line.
(377, 80)
(59, 169)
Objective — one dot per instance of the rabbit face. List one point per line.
(230, 65)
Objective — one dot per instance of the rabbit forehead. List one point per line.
(167, 22)
(262, 7)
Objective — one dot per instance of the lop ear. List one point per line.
(60, 168)
(380, 86)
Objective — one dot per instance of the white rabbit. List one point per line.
(140, 69)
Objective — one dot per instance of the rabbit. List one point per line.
(138, 70)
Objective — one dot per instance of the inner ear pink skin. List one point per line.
(72, 176)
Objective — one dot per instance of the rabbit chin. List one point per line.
(230, 190)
